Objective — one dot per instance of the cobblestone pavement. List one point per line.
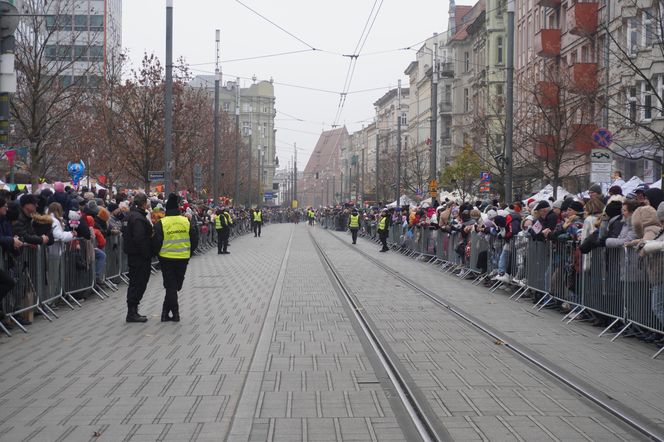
(623, 369)
(478, 389)
(89, 376)
(266, 350)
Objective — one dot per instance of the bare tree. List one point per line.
(53, 65)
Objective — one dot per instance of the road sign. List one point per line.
(485, 177)
(268, 196)
(602, 137)
(156, 175)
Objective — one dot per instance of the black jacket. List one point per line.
(24, 229)
(158, 238)
(138, 234)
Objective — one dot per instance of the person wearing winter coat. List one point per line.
(23, 226)
(10, 246)
(91, 210)
(60, 232)
(653, 251)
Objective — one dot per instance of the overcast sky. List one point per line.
(333, 27)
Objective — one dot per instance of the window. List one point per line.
(499, 48)
(499, 96)
(80, 22)
(96, 53)
(246, 128)
(646, 101)
(499, 8)
(227, 106)
(465, 100)
(58, 22)
(648, 32)
(466, 61)
(447, 97)
(404, 119)
(631, 104)
(96, 22)
(632, 36)
(659, 100)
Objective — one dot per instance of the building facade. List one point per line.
(256, 108)
(323, 177)
(86, 36)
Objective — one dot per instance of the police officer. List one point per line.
(219, 224)
(383, 229)
(175, 239)
(354, 224)
(137, 237)
(257, 222)
(226, 223)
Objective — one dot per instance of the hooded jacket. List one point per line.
(645, 223)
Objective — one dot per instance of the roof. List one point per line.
(464, 21)
(459, 12)
(328, 146)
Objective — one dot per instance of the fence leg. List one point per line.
(621, 331)
(658, 353)
(577, 315)
(74, 300)
(615, 321)
(546, 299)
(570, 313)
(50, 310)
(96, 292)
(25, 330)
(4, 330)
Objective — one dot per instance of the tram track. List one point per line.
(602, 401)
(413, 406)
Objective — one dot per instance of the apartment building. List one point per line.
(257, 112)
(86, 37)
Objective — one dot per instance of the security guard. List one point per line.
(354, 224)
(257, 222)
(226, 231)
(311, 215)
(175, 239)
(383, 229)
(220, 226)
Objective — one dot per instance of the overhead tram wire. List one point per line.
(353, 58)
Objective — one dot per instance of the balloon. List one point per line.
(76, 171)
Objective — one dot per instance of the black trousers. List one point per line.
(257, 228)
(353, 234)
(173, 272)
(220, 245)
(383, 241)
(7, 283)
(139, 275)
(223, 238)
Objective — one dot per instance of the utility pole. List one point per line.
(362, 191)
(334, 190)
(295, 172)
(260, 178)
(251, 157)
(168, 99)
(607, 54)
(236, 197)
(433, 166)
(377, 162)
(509, 102)
(350, 180)
(217, 81)
(342, 187)
(398, 191)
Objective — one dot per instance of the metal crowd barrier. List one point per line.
(618, 284)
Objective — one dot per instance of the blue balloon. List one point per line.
(76, 171)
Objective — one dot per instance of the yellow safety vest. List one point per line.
(217, 222)
(229, 220)
(177, 244)
(354, 222)
(258, 217)
(381, 223)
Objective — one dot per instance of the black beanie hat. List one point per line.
(576, 206)
(655, 196)
(614, 208)
(172, 202)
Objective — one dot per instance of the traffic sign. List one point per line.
(268, 196)
(485, 176)
(602, 137)
(156, 175)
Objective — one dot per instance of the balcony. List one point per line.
(582, 19)
(545, 147)
(445, 107)
(447, 69)
(583, 78)
(547, 43)
(547, 93)
(549, 3)
(582, 137)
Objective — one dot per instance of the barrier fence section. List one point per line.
(621, 284)
(66, 271)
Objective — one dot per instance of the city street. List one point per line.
(269, 348)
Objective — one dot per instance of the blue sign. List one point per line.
(485, 176)
(268, 196)
(603, 137)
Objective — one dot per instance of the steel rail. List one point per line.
(629, 417)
